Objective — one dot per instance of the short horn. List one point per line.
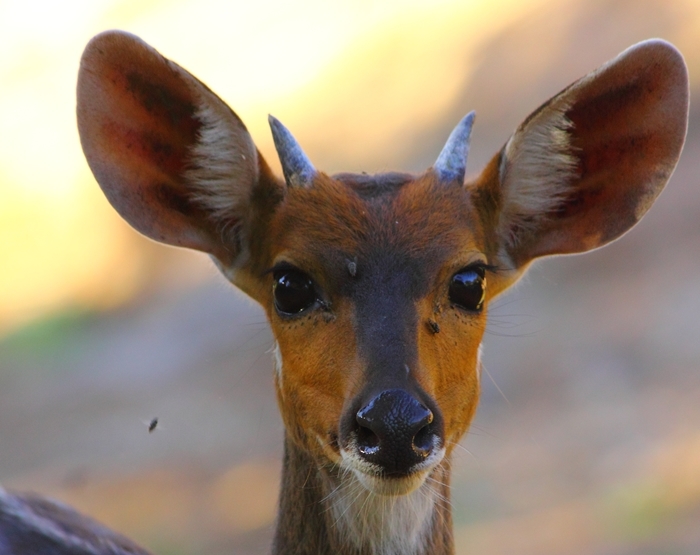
(297, 168)
(451, 165)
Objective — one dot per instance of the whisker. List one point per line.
(494, 383)
(463, 448)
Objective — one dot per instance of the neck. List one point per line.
(326, 511)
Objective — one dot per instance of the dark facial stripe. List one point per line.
(385, 296)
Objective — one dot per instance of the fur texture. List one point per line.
(222, 169)
(537, 172)
(384, 524)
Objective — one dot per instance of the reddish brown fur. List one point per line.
(316, 229)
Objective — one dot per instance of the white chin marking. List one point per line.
(384, 516)
(383, 524)
(391, 486)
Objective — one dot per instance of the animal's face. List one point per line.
(377, 288)
(373, 288)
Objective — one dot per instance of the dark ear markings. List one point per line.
(175, 200)
(595, 111)
(160, 101)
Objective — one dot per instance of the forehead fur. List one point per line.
(387, 216)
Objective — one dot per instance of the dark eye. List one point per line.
(467, 288)
(293, 290)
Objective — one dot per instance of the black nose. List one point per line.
(395, 430)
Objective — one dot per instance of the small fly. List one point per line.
(152, 425)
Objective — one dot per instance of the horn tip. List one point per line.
(467, 122)
(297, 169)
(452, 162)
(471, 116)
(275, 125)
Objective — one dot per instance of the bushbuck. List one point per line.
(376, 287)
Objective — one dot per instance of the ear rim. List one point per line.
(674, 108)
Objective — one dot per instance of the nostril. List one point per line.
(367, 441)
(367, 438)
(423, 440)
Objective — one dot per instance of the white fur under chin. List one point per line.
(383, 524)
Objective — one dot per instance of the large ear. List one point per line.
(172, 158)
(587, 165)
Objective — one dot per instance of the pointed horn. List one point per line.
(451, 165)
(297, 168)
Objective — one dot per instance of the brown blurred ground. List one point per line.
(588, 444)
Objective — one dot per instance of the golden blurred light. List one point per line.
(60, 242)
(349, 79)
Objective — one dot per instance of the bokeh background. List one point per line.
(587, 440)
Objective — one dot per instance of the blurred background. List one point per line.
(587, 440)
